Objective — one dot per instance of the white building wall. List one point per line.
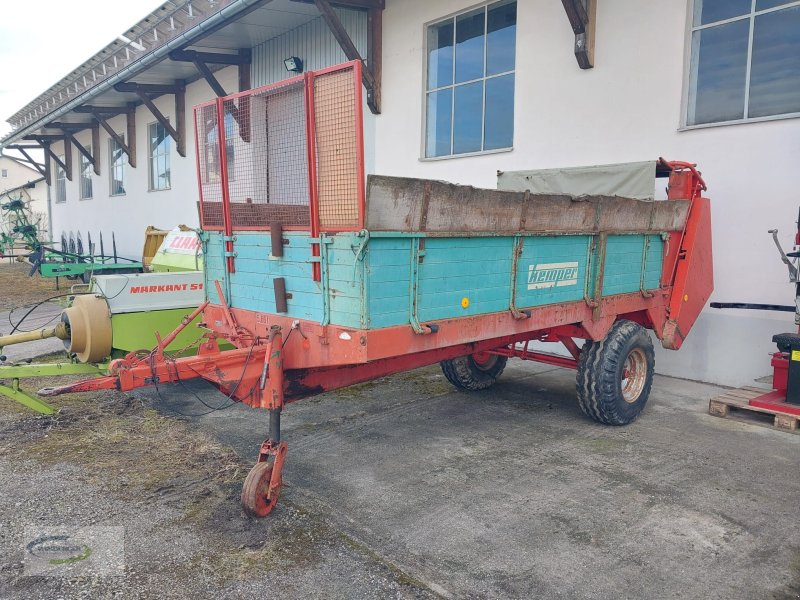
(627, 108)
(313, 42)
(128, 216)
(16, 174)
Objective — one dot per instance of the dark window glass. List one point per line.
(470, 111)
(440, 55)
(470, 37)
(499, 128)
(159, 157)
(468, 118)
(86, 176)
(775, 67)
(720, 59)
(710, 11)
(117, 168)
(765, 4)
(440, 122)
(501, 47)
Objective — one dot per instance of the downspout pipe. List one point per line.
(142, 64)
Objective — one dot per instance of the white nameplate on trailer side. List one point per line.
(550, 275)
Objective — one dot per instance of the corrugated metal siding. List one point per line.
(312, 42)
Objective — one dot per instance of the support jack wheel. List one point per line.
(262, 487)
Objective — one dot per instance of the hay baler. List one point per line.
(322, 279)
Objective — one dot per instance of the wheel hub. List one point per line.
(634, 375)
(484, 360)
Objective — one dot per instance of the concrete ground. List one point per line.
(409, 488)
(46, 315)
(513, 493)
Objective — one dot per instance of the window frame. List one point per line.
(167, 154)
(687, 67)
(61, 182)
(83, 165)
(112, 145)
(423, 157)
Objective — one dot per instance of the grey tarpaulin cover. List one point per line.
(630, 180)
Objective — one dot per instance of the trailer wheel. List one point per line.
(255, 488)
(475, 371)
(615, 374)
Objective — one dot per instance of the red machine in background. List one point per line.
(785, 396)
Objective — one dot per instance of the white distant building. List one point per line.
(19, 180)
(463, 89)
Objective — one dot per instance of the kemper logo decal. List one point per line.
(552, 275)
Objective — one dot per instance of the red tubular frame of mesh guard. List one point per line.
(311, 153)
(227, 223)
(315, 228)
(307, 80)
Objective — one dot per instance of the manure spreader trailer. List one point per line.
(322, 278)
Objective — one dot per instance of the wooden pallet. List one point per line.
(734, 404)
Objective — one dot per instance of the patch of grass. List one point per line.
(138, 451)
(17, 289)
(123, 446)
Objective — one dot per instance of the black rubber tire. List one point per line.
(465, 373)
(600, 374)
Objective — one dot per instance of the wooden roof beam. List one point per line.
(102, 119)
(66, 164)
(42, 168)
(149, 88)
(582, 18)
(108, 111)
(352, 53)
(178, 132)
(47, 137)
(90, 156)
(215, 58)
(74, 127)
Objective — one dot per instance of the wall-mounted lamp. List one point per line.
(293, 64)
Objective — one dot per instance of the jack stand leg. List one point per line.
(15, 393)
(263, 484)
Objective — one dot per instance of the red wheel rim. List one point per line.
(255, 489)
(484, 360)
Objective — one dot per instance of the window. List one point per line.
(158, 154)
(744, 60)
(4, 173)
(116, 164)
(61, 182)
(470, 81)
(212, 144)
(86, 175)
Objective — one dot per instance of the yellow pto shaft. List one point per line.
(59, 331)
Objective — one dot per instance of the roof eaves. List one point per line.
(171, 20)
